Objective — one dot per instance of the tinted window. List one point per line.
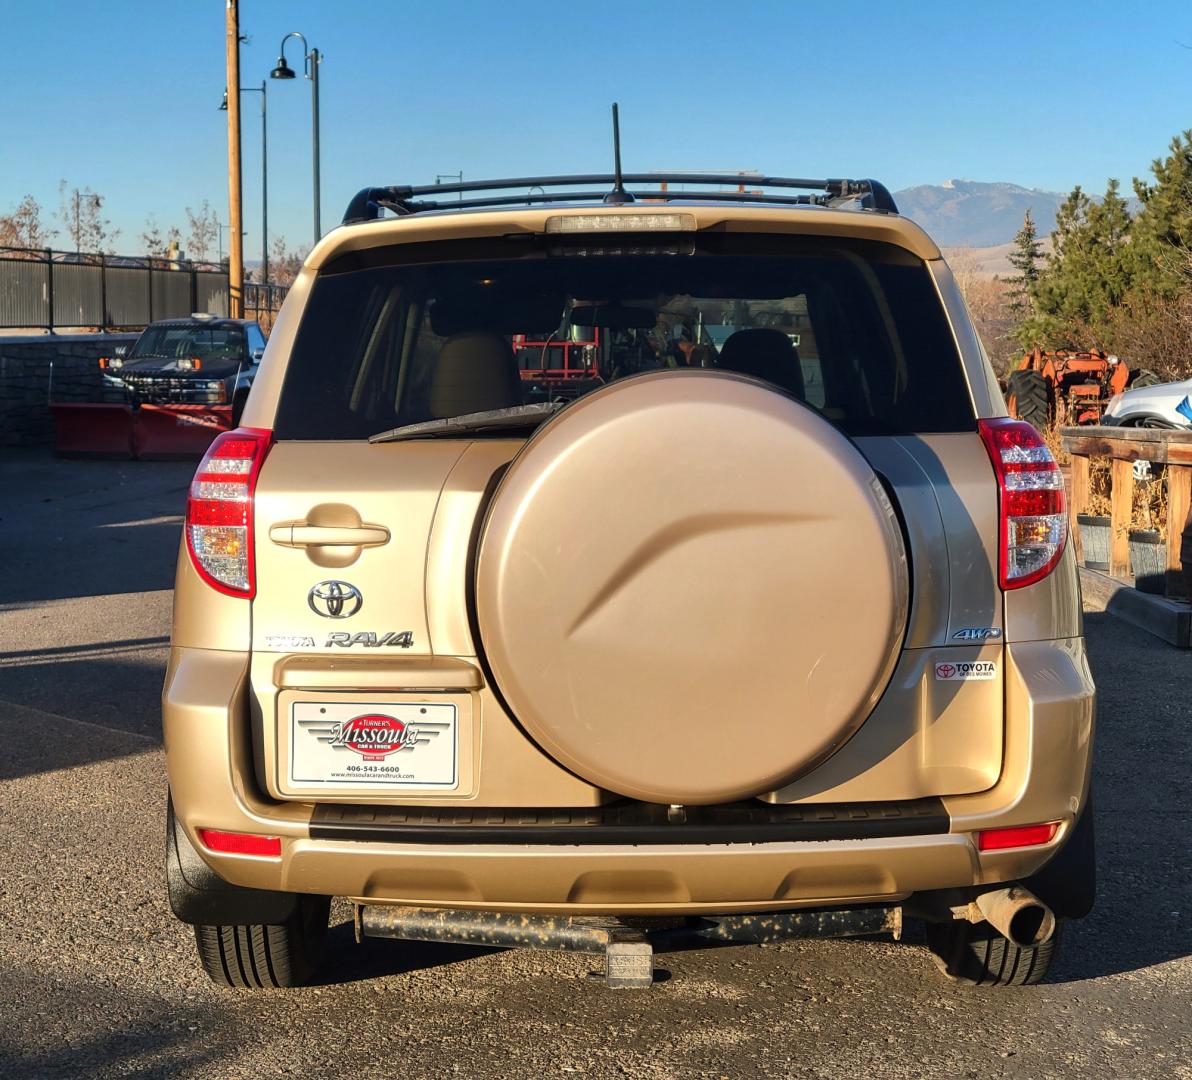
(175, 342)
(417, 332)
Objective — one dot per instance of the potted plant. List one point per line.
(1094, 524)
(1148, 533)
(1148, 560)
(1094, 538)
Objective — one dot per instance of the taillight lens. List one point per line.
(220, 507)
(1034, 521)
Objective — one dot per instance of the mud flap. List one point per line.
(199, 896)
(1068, 883)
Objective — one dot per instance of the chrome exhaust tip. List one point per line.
(1018, 915)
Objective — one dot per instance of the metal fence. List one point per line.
(262, 302)
(43, 289)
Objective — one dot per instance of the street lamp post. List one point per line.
(264, 171)
(311, 60)
(235, 199)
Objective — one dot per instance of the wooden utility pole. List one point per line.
(235, 198)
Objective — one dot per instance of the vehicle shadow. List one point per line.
(156, 1038)
(80, 529)
(1142, 772)
(348, 961)
(77, 705)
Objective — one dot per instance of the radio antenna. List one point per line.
(618, 196)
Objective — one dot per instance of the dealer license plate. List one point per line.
(379, 745)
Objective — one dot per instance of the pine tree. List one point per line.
(1025, 259)
(1087, 276)
(1163, 231)
(1119, 283)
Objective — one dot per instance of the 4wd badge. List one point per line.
(977, 633)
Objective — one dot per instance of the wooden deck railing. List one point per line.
(1124, 446)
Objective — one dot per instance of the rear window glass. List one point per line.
(422, 332)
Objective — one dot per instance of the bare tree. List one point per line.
(79, 210)
(988, 301)
(202, 232)
(151, 238)
(156, 244)
(965, 268)
(283, 263)
(23, 228)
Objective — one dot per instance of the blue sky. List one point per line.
(123, 96)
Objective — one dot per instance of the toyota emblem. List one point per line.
(335, 599)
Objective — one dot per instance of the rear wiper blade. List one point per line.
(518, 417)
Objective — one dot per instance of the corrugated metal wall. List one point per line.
(126, 294)
(47, 290)
(24, 293)
(78, 295)
(211, 292)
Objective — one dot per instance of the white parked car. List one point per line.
(1164, 405)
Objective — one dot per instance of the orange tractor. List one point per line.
(1065, 387)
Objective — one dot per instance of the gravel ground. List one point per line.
(97, 979)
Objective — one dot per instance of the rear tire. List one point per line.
(977, 955)
(267, 955)
(1032, 401)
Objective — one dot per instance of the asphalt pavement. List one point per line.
(97, 979)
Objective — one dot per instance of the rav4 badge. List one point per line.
(403, 639)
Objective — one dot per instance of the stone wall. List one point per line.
(54, 367)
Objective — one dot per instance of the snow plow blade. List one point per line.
(179, 430)
(97, 429)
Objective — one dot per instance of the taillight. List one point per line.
(219, 510)
(1034, 522)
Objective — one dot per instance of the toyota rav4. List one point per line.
(769, 630)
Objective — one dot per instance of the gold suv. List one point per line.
(592, 571)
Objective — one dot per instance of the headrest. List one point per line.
(765, 354)
(475, 372)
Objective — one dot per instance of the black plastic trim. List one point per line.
(629, 823)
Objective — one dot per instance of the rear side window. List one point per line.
(422, 332)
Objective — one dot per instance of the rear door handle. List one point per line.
(300, 534)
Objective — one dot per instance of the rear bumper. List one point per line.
(209, 749)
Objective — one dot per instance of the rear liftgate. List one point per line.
(627, 948)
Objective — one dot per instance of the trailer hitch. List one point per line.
(627, 948)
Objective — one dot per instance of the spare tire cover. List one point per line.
(690, 588)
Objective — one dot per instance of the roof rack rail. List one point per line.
(368, 204)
